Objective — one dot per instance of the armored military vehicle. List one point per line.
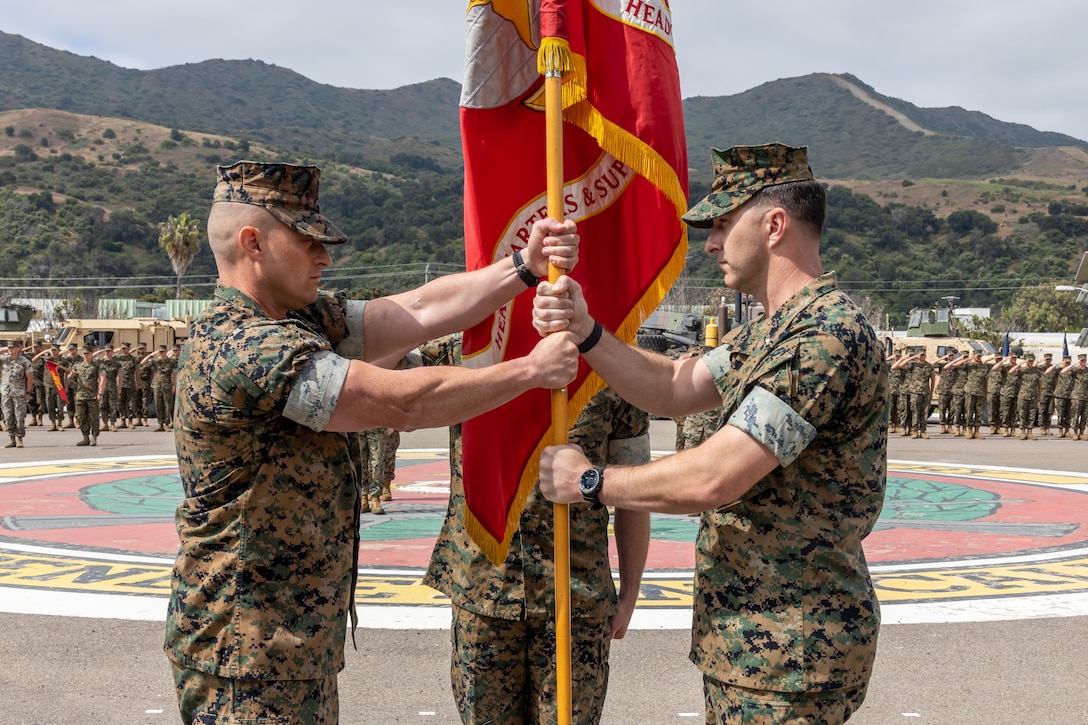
(665, 329)
(937, 331)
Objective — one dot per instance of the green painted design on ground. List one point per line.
(911, 499)
(148, 495)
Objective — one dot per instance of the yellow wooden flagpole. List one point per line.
(554, 60)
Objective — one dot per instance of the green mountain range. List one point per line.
(94, 156)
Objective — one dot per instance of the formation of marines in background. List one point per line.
(1013, 395)
(94, 390)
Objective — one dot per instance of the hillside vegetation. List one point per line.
(925, 202)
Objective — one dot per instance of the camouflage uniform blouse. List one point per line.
(127, 370)
(13, 372)
(262, 582)
(609, 430)
(976, 374)
(86, 379)
(783, 598)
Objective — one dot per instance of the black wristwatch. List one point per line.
(590, 485)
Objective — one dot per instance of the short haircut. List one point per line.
(805, 201)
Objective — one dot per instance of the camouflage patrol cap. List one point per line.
(125, 346)
(1029, 356)
(287, 191)
(741, 171)
(88, 348)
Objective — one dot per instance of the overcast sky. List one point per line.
(1022, 62)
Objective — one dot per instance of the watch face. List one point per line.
(590, 482)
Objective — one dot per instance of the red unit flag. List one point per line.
(625, 184)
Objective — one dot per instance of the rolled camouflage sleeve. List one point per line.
(774, 424)
(316, 392)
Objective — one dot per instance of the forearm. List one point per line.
(717, 472)
(632, 543)
(393, 325)
(426, 397)
(650, 380)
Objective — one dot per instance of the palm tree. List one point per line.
(180, 237)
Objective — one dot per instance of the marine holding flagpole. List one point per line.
(786, 620)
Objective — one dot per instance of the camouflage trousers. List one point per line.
(54, 407)
(1008, 410)
(108, 406)
(127, 404)
(1046, 410)
(164, 405)
(945, 414)
(1063, 407)
(15, 413)
(973, 410)
(37, 400)
(86, 412)
(206, 699)
(503, 671)
(373, 475)
(1025, 410)
(733, 705)
(919, 412)
(995, 411)
(1078, 414)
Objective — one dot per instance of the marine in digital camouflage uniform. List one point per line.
(943, 391)
(918, 382)
(1063, 391)
(1010, 388)
(111, 369)
(503, 631)
(52, 409)
(87, 378)
(163, 368)
(959, 396)
(1078, 397)
(786, 619)
(69, 360)
(144, 397)
(126, 382)
(895, 378)
(271, 393)
(974, 374)
(37, 398)
(995, 380)
(1027, 396)
(16, 384)
(1045, 413)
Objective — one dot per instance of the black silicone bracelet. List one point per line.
(591, 341)
(524, 272)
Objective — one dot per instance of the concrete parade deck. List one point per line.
(981, 552)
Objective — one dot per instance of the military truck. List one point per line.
(150, 331)
(937, 331)
(664, 329)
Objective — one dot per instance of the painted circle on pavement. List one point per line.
(952, 543)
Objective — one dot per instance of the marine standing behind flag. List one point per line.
(625, 171)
